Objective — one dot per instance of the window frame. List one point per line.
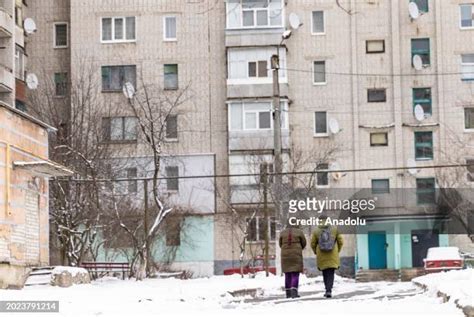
(466, 129)
(65, 74)
(255, 26)
(470, 64)
(55, 24)
(380, 192)
(469, 175)
(169, 139)
(320, 83)
(177, 77)
(112, 34)
(425, 190)
(324, 23)
(369, 90)
(121, 86)
(107, 130)
(259, 219)
(168, 180)
(284, 115)
(320, 134)
(424, 144)
(422, 10)
(374, 52)
(419, 52)
(378, 144)
(257, 70)
(175, 38)
(323, 174)
(423, 102)
(20, 55)
(472, 16)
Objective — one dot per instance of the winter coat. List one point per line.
(327, 259)
(292, 242)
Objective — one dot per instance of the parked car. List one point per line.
(443, 259)
(256, 265)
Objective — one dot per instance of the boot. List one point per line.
(328, 294)
(288, 293)
(294, 293)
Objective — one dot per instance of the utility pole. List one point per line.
(264, 180)
(145, 227)
(278, 165)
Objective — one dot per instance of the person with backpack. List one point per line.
(292, 242)
(326, 243)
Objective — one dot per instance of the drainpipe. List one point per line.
(7, 180)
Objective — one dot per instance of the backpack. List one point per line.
(326, 242)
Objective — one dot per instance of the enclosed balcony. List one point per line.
(7, 80)
(7, 24)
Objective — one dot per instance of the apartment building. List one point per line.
(349, 87)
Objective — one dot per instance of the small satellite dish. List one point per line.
(417, 62)
(411, 164)
(294, 20)
(419, 113)
(128, 90)
(32, 81)
(334, 166)
(413, 11)
(334, 126)
(29, 25)
(286, 34)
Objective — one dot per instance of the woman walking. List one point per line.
(292, 242)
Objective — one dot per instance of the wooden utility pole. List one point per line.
(264, 181)
(145, 227)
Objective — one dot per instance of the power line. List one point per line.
(271, 174)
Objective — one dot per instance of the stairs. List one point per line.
(39, 276)
(377, 275)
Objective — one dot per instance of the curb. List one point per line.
(467, 309)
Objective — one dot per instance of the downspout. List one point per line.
(7, 179)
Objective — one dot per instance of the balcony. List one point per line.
(7, 24)
(7, 80)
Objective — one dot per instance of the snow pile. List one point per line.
(443, 253)
(458, 285)
(74, 271)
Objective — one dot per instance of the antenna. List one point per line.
(417, 62)
(128, 90)
(29, 25)
(294, 20)
(419, 113)
(32, 81)
(334, 126)
(411, 164)
(413, 11)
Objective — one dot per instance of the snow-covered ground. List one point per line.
(458, 285)
(210, 297)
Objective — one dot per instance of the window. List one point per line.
(424, 145)
(422, 97)
(19, 14)
(270, 170)
(173, 231)
(258, 69)
(172, 127)
(425, 191)
(320, 123)
(254, 13)
(169, 27)
(380, 186)
(421, 47)
(60, 84)
(255, 116)
(379, 139)
(171, 76)
(60, 35)
(319, 70)
(470, 170)
(256, 228)
(469, 118)
(376, 95)
(467, 16)
(318, 23)
(114, 77)
(19, 63)
(120, 129)
(20, 105)
(172, 184)
(467, 67)
(322, 178)
(422, 5)
(120, 29)
(375, 46)
(132, 185)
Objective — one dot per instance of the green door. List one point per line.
(377, 250)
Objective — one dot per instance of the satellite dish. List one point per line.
(32, 81)
(128, 90)
(417, 62)
(334, 166)
(294, 20)
(411, 164)
(419, 113)
(413, 11)
(334, 126)
(29, 25)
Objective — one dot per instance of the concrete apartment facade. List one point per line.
(349, 62)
